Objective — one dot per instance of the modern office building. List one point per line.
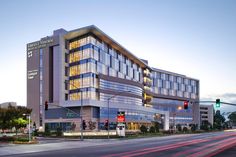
(206, 114)
(85, 70)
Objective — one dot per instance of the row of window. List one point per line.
(172, 92)
(86, 95)
(172, 78)
(119, 64)
(80, 42)
(121, 99)
(83, 83)
(101, 46)
(104, 84)
(174, 85)
(82, 68)
(89, 65)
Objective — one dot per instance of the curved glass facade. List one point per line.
(121, 99)
(133, 117)
(108, 85)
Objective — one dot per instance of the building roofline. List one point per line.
(173, 73)
(103, 36)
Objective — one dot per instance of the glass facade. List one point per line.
(89, 57)
(175, 108)
(173, 85)
(131, 115)
(108, 85)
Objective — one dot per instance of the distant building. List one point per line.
(6, 104)
(85, 67)
(206, 113)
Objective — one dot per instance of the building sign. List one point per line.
(38, 45)
(32, 74)
(120, 117)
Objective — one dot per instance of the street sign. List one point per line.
(120, 117)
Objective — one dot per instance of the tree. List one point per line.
(9, 117)
(143, 129)
(232, 118)
(152, 129)
(193, 127)
(156, 126)
(218, 120)
(178, 127)
(206, 125)
(19, 123)
(3, 125)
(185, 129)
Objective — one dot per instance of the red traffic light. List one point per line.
(185, 105)
(46, 105)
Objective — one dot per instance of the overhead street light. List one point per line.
(29, 125)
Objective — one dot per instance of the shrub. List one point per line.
(35, 132)
(143, 129)
(167, 132)
(193, 127)
(47, 131)
(7, 139)
(22, 139)
(178, 127)
(152, 129)
(59, 132)
(157, 126)
(185, 129)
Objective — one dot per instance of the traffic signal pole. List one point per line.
(226, 103)
(80, 114)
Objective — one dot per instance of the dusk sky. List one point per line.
(196, 38)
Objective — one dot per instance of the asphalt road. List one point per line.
(196, 145)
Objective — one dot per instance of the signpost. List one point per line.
(120, 123)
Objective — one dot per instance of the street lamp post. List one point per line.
(29, 125)
(108, 110)
(178, 108)
(81, 110)
(81, 117)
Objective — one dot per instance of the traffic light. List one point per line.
(106, 124)
(84, 125)
(46, 105)
(217, 103)
(185, 105)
